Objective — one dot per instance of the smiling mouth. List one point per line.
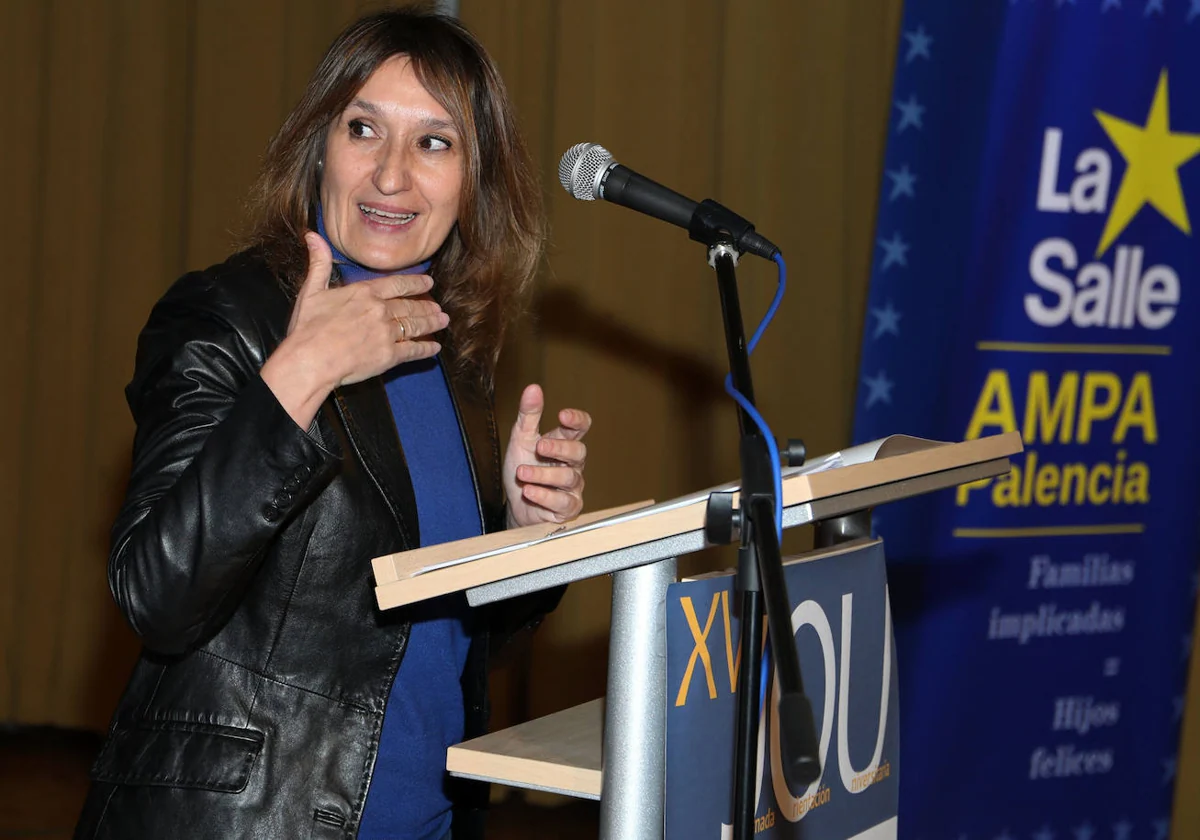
(386, 218)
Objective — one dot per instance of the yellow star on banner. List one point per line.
(1153, 156)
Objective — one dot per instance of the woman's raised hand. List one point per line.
(543, 474)
(344, 335)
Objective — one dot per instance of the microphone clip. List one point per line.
(713, 224)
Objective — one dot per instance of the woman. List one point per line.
(318, 400)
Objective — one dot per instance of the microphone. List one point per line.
(588, 171)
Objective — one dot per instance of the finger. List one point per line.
(400, 285)
(411, 351)
(560, 478)
(529, 410)
(575, 423)
(408, 307)
(412, 327)
(320, 264)
(571, 452)
(560, 504)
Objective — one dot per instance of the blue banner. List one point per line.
(1034, 271)
(841, 617)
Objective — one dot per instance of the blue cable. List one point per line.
(765, 431)
(751, 410)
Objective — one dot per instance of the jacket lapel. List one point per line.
(477, 424)
(367, 416)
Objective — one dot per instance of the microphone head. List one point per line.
(581, 169)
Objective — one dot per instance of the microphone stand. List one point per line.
(760, 580)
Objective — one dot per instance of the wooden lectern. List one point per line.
(612, 749)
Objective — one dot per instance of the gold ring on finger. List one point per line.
(403, 329)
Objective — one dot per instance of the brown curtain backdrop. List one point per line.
(134, 132)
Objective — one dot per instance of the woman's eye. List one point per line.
(358, 128)
(433, 143)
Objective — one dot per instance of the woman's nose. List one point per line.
(393, 169)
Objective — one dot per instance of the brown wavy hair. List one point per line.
(486, 265)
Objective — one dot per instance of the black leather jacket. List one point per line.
(241, 556)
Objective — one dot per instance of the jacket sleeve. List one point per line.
(218, 468)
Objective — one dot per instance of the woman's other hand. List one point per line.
(344, 335)
(543, 474)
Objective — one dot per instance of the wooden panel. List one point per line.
(422, 573)
(561, 752)
(407, 564)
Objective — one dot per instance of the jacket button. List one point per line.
(270, 513)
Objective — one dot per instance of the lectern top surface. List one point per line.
(436, 570)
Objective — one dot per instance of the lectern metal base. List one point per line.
(635, 714)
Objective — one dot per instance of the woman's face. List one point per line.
(393, 172)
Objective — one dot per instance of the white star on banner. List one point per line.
(1161, 829)
(1153, 6)
(1122, 830)
(880, 387)
(889, 320)
(895, 252)
(1084, 832)
(910, 113)
(1194, 11)
(903, 180)
(919, 43)
(1110, 4)
(1044, 834)
(1168, 770)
